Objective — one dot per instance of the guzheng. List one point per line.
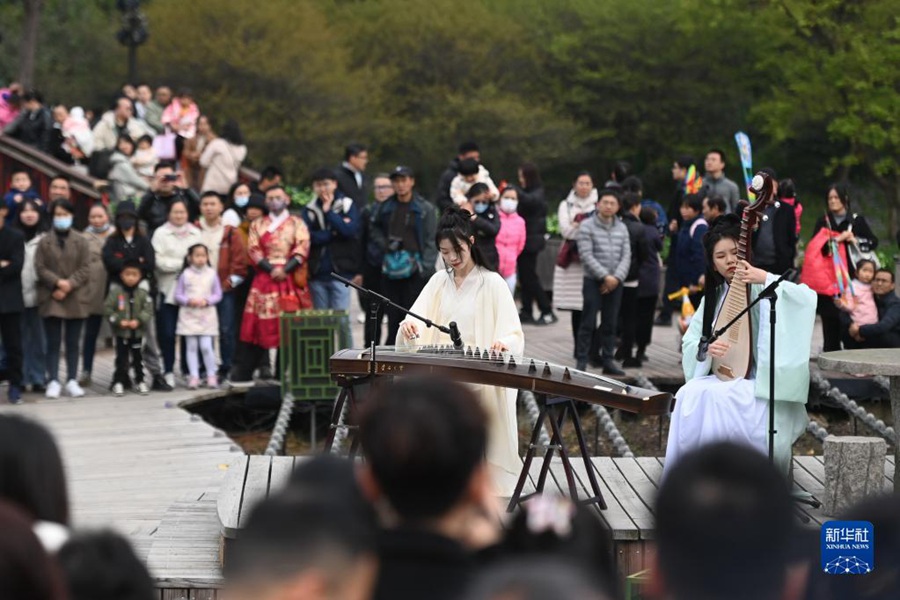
(474, 365)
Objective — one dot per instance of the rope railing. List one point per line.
(276, 441)
(530, 404)
(340, 431)
(612, 432)
(844, 401)
(816, 430)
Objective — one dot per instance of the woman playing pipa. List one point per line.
(727, 393)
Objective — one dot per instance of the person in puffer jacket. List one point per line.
(511, 239)
(605, 253)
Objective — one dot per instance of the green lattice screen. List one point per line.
(308, 339)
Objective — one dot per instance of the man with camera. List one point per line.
(404, 230)
(334, 224)
(167, 186)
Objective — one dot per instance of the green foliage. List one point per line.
(835, 67)
(569, 84)
(300, 196)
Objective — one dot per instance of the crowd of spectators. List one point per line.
(163, 161)
(419, 519)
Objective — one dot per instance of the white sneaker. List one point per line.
(53, 390)
(361, 318)
(142, 389)
(170, 379)
(118, 389)
(73, 389)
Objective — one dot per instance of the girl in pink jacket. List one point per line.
(511, 239)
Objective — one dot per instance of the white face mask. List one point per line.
(508, 205)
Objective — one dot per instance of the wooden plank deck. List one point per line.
(147, 469)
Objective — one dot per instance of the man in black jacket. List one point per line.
(436, 482)
(886, 332)
(167, 186)
(442, 197)
(640, 249)
(34, 125)
(775, 239)
(12, 258)
(404, 226)
(351, 175)
(334, 230)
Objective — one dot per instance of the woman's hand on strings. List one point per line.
(499, 347)
(747, 273)
(719, 348)
(410, 330)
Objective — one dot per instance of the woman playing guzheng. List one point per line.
(478, 300)
(712, 408)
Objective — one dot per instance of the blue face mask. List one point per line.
(62, 223)
(480, 207)
(241, 201)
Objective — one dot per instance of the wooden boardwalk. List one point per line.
(149, 470)
(629, 486)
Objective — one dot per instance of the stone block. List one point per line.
(854, 469)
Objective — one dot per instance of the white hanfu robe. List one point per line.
(709, 410)
(485, 312)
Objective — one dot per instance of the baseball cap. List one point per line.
(401, 171)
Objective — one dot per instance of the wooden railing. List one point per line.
(43, 167)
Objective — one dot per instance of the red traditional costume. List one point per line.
(276, 240)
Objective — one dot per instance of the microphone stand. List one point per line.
(769, 294)
(377, 302)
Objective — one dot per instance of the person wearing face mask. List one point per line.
(236, 202)
(128, 246)
(485, 222)
(511, 239)
(278, 248)
(34, 354)
(98, 231)
(63, 266)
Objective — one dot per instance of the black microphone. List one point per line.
(702, 349)
(455, 337)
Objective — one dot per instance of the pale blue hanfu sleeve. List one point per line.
(689, 344)
(795, 318)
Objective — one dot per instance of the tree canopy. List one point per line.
(569, 84)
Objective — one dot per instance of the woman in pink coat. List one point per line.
(511, 239)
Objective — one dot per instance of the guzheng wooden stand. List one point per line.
(555, 387)
(555, 410)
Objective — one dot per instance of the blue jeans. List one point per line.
(331, 294)
(227, 330)
(53, 327)
(91, 333)
(34, 353)
(166, 324)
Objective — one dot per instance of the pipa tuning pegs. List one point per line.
(546, 372)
